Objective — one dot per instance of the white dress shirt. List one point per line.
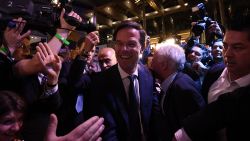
(224, 85)
(221, 86)
(126, 83)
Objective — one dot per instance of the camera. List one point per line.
(203, 22)
(40, 15)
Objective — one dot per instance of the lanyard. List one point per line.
(5, 51)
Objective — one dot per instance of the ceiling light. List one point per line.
(137, 1)
(169, 41)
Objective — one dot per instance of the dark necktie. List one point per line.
(133, 112)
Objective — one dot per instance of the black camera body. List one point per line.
(203, 22)
(40, 15)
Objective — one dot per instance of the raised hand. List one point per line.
(91, 40)
(214, 28)
(12, 35)
(90, 130)
(50, 62)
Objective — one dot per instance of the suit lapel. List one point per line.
(119, 94)
(146, 93)
(168, 93)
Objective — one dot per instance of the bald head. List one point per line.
(106, 57)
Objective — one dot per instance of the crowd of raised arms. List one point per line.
(193, 91)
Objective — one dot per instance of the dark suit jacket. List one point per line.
(108, 99)
(230, 111)
(7, 76)
(39, 110)
(212, 75)
(182, 99)
(72, 82)
(29, 88)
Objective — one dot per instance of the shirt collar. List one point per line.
(242, 81)
(166, 83)
(124, 74)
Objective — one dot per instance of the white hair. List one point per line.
(172, 53)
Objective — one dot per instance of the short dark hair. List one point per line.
(11, 102)
(216, 40)
(135, 25)
(240, 21)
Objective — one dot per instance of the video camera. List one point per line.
(40, 15)
(203, 22)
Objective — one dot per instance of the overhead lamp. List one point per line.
(137, 1)
(169, 41)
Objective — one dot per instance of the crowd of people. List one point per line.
(196, 92)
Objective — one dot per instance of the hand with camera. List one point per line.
(213, 32)
(214, 28)
(62, 33)
(65, 23)
(13, 36)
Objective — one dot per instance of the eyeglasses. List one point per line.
(129, 44)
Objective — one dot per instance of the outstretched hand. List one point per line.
(90, 130)
(12, 35)
(91, 40)
(51, 63)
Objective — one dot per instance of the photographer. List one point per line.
(11, 40)
(56, 42)
(34, 79)
(202, 23)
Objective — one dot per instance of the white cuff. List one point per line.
(181, 135)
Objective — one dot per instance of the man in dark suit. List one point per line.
(181, 96)
(230, 111)
(126, 113)
(73, 80)
(212, 75)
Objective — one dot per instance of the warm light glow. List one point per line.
(55, 1)
(169, 41)
(186, 4)
(178, 6)
(137, 1)
(167, 9)
(116, 22)
(155, 24)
